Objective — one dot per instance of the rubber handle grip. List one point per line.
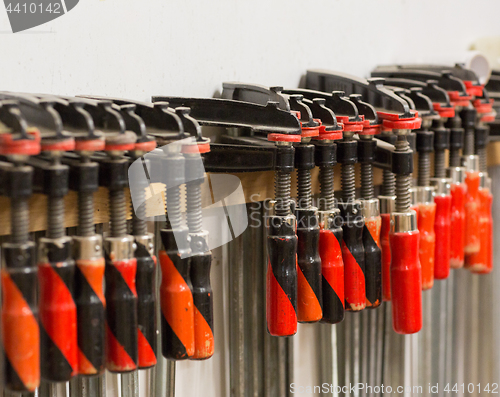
(203, 306)
(353, 255)
(406, 282)
(58, 318)
(145, 280)
(385, 247)
(482, 261)
(427, 250)
(121, 315)
(309, 279)
(91, 316)
(472, 204)
(20, 329)
(177, 308)
(373, 261)
(458, 194)
(281, 289)
(442, 228)
(332, 270)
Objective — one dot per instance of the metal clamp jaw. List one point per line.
(439, 97)
(161, 121)
(388, 105)
(250, 151)
(455, 87)
(469, 77)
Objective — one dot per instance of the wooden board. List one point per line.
(257, 186)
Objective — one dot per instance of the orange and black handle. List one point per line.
(427, 245)
(482, 261)
(121, 305)
(353, 255)
(309, 280)
(176, 298)
(203, 304)
(386, 207)
(406, 278)
(20, 329)
(90, 305)
(145, 280)
(332, 267)
(373, 253)
(281, 289)
(458, 190)
(57, 308)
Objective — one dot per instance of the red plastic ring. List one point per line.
(8, 146)
(402, 124)
(371, 130)
(89, 145)
(445, 112)
(61, 146)
(283, 138)
(119, 147)
(196, 148)
(145, 146)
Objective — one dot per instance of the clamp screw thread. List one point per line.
(327, 200)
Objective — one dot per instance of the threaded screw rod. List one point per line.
(403, 182)
(118, 212)
(194, 211)
(424, 168)
(86, 214)
(304, 186)
(327, 200)
(19, 220)
(439, 164)
(282, 184)
(455, 157)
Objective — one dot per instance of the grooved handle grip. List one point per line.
(458, 194)
(203, 306)
(406, 283)
(121, 315)
(353, 255)
(58, 319)
(482, 261)
(20, 329)
(385, 247)
(472, 204)
(91, 317)
(282, 285)
(427, 250)
(332, 269)
(373, 261)
(146, 307)
(309, 288)
(442, 228)
(176, 306)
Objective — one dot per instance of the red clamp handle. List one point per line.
(406, 282)
(482, 261)
(332, 269)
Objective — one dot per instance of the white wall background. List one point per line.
(136, 49)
